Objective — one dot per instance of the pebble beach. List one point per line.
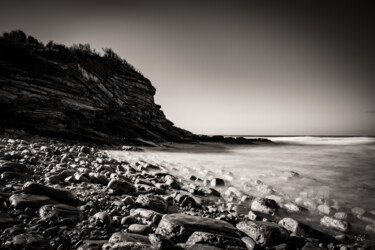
(62, 195)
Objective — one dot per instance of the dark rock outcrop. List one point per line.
(78, 94)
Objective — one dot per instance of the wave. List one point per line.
(314, 140)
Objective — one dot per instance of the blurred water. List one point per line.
(340, 168)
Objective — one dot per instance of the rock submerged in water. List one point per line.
(264, 205)
(264, 233)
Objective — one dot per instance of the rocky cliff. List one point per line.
(77, 93)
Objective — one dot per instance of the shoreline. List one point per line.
(61, 195)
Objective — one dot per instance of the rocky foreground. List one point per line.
(56, 195)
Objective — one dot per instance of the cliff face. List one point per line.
(76, 93)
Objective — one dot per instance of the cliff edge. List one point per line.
(78, 94)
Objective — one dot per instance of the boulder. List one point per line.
(128, 237)
(92, 245)
(61, 212)
(340, 225)
(6, 220)
(303, 230)
(30, 241)
(21, 201)
(263, 232)
(153, 202)
(216, 240)
(121, 186)
(264, 205)
(62, 195)
(179, 227)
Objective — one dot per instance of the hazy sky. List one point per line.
(230, 67)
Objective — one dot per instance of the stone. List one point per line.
(144, 213)
(13, 167)
(5, 176)
(128, 237)
(127, 245)
(139, 229)
(121, 186)
(216, 240)
(264, 233)
(341, 215)
(61, 212)
(325, 209)
(263, 205)
(249, 242)
(21, 201)
(92, 245)
(159, 242)
(6, 220)
(217, 182)
(153, 202)
(310, 246)
(64, 196)
(334, 223)
(358, 211)
(102, 218)
(179, 227)
(30, 241)
(54, 179)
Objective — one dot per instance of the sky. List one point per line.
(230, 67)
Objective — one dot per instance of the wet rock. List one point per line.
(179, 227)
(254, 216)
(13, 175)
(92, 245)
(172, 182)
(301, 229)
(54, 179)
(102, 218)
(249, 242)
(153, 202)
(128, 237)
(293, 207)
(14, 230)
(216, 240)
(130, 148)
(325, 209)
(30, 241)
(13, 167)
(64, 196)
(217, 182)
(144, 213)
(21, 201)
(61, 212)
(334, 223)
(310, 246)
(139, 229)
(159, 242)
(370, 228)
(358, 211)
(6, 220)
(263, 205)
(341, 215)
(127, 245)
(264, 233)
(121, 186)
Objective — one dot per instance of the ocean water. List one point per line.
(339, 171)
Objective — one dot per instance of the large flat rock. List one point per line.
(179, 227)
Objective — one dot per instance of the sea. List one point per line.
(338, 170)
